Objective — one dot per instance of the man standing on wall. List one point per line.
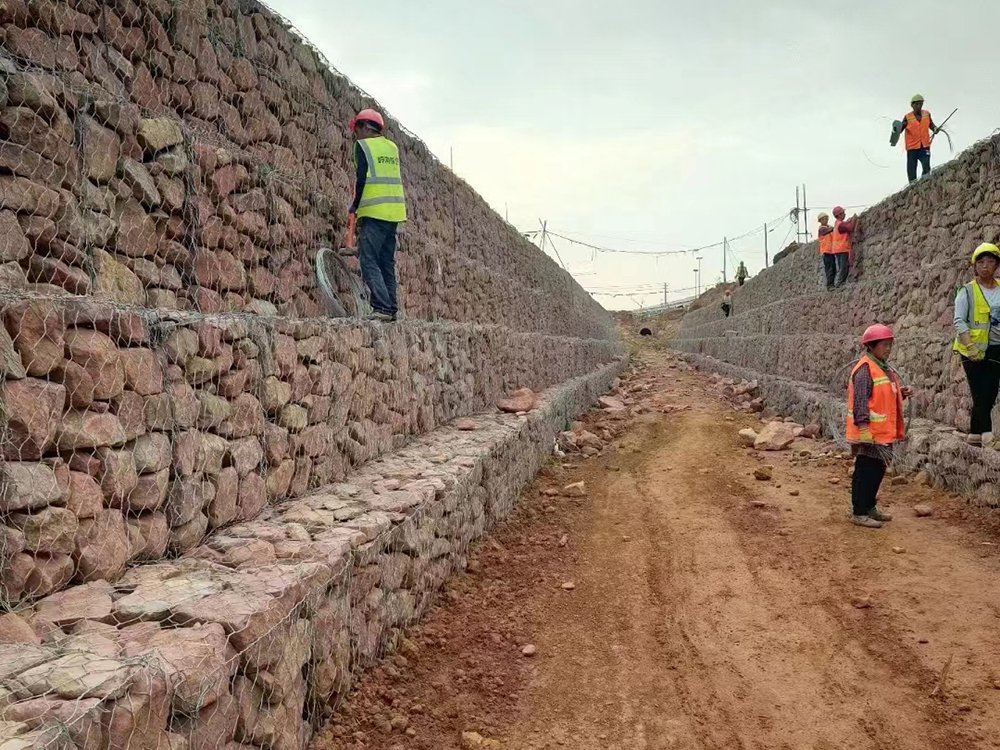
(843, 243)
(918, 126)
(380, 206)
(742, 274)
(825, 235)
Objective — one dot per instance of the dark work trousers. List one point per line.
(984, 384)
(830, 269)
(868, 474)
(726, 309)
(921, 156)
(377, 252)
(843, 261)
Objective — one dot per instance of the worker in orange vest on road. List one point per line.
(918, 127)
(875, 422)
(843, 243)
(825, 237)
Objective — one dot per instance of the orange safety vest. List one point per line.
(885, 407)
(841, 241)
(826, 243)
(918, 132)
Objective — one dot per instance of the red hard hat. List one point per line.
(368, 115)
(877, 332)
(838, 211)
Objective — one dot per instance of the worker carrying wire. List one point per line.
(844, 230)
(825, 241)
(875, 423)
(977, 340)
(379, 207)
(918, 127)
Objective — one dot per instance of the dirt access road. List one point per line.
(683, 604)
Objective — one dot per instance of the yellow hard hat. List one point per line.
(823, 216)
(916, 98)
(987, 248)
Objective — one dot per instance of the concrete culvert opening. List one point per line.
(645, 332)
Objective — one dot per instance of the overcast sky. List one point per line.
(651, 125)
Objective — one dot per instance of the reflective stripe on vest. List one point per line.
(826, 243)
(885, 405)
(918, 132)
(841, 242)
(383, 197)
(979, 326)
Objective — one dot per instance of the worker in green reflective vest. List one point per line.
(379, 207)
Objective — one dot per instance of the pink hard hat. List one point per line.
(368, 115)
(838, 211)
(877, 332)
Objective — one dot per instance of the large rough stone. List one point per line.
(149, 493)
(139, 718)
(118, 475)
(776, 436)
(102, 547)
(75, 675)
(520, 400)
(91, 601)
(85, 497)
(79, 719)
(152, 452)
(33, 409)
(97, 354)
(50, 531)
(115, 282)
(87, 429)
(142, 372)
(15, 629)
(148, 535)
(37, 329)
(48, 574)
(158, 134)
(27, 486)
(197, 662)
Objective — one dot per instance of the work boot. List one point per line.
(867, 521)
(880, 516)
(380, 316)
(974, 439)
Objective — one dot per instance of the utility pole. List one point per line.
(798, 227)
(697, 283)
(765, 246)
(664, 294)
(805, 212)
(698, 277)
(725, 251)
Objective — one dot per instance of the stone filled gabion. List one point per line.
(215, 506)
(912, 255)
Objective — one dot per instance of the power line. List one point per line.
(604, 249)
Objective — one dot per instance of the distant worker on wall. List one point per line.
(977, 328)
(380, 206)
(727, 303)
(843, 243)
(918, 127)
(742, 274)
(825, 236)
(874, 423)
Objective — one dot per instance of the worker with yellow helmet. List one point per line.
(977, 340)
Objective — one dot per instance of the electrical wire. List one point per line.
(604, 249)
